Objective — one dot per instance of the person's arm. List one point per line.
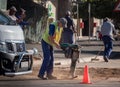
(73, 27)
(51, 36)
(24, 23)
(114, 30)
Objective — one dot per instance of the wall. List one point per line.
(63, 6)
(3, 4)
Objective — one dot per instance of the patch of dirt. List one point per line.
(62, 73)
(94, 74)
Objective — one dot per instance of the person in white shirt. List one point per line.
(12, 13)
(107, 30)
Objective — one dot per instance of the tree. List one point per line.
(99, 8)
(103, 8)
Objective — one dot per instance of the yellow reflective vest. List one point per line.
(56, 36)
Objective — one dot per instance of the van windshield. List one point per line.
(5, 20)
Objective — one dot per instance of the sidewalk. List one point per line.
(92, 41)
(65, 62)
(61, 61)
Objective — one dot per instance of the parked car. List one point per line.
(14, 58)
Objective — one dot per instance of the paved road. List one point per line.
(57, 83)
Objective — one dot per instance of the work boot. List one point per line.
(42, 77)
(106, 59)
(51, 77)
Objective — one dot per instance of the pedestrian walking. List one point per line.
(50, 39)
(68, 32)
(107, 30)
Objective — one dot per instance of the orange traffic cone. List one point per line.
(86, 79)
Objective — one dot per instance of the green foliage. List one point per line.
(99, 8)
(103, 8)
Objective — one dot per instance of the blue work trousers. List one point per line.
(47, 64)
(108, 44)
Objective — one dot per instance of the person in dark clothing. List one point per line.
(67, 35)
(21, 16)
(68, 39)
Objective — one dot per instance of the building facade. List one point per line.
(57, 8)
(3, 4)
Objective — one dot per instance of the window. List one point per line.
(5, 20)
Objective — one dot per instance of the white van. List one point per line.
(14, 59)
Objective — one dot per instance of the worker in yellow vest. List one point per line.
(50, 39)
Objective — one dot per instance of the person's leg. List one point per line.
(105, 41)
(51, 62)
(71, 37)
(105, 45)
(50, 66)
(46, 55)
(110, 47)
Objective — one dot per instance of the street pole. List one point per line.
(89, 12)
(78, 19)
(79, 31)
